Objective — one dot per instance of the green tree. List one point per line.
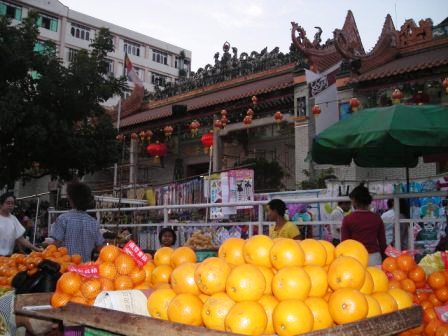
(268, 175)
(318, 182)
(50, 115)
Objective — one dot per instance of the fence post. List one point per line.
(260, 219)
(397, 237)
(35, 220)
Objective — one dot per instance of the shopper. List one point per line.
(388, 218)
(167, 237)
(337, 215)
(365, 226)
(282, 228)
(11, 231)
(76, 229)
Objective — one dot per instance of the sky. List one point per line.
(202, 26)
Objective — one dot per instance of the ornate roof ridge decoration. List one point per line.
(130, 105)
(410, 34)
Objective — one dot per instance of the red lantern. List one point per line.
(247, 120)
(224, 121)
(223, 112)
(250, 112)
(396, 96)
(278, 117)
(354, 104)
(217, 123)
(142, 135)
(134, 136)
(445, 84)
(168, 130)
(157, 149)
(207, 140)
(120, 137)
(148, 134)
(316, 110)
(194, 126)
(254, 100)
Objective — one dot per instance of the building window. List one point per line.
(79, 31)
(159, 57)
(10, 11)
(71, 54)
(110, 66)
(47, 22)
(132, 48)
(40, 47)
(158, 79)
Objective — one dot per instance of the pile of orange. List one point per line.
(10, 266)
(263, 286)
(429, 291)
(117, 271)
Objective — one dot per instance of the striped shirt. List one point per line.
(79, 232)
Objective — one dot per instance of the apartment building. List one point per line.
(156, 62)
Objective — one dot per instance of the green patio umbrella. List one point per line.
(394, 136)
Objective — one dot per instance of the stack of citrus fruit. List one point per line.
(116, 270)
(10, 266)
(263, 286)
(429, 291)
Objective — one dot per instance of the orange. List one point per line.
(107, 284)
(91, 288)
(348, 305)
(394, 284)
(406, 262)
(247, 318)
(204, 297)
(346, 272)
(292, 317)
(123, 282)
(437, 280)
(107, 270)
(268, 276)
(215, 310)
(245, 283)
(408, 285)
(124, 264)
(389, 264)
(386, 301)
(231, 250)
(291, 283)
(374, 308)
(380, 281)
(286, 252)
(426, 304)
(329, 248)
(138, 275)
(78, 299)
(69, 283)
(182, 255)
(429, 314)
(422, 296)
(315, 252)
(269, 303)
(109, 253)
(182, 279)
(149, 267)
(417, 274)
(367, 287)
(256, 250)
(211, 275)
(59, 299)
(163, 256)
(432, 326)
(319, 282)
(161, 285)
(321, 313)
(401, 297)
(442, 293)
(434, 300)
(399, 275)
(161, 274)
(76, 259)
(158, 303)
(63, 250)
(354, 249)
(143, 285)
(185, 308)
(442, 330)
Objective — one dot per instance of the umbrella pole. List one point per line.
(407, 180)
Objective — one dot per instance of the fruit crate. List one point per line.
(136, 325)
(204, 254)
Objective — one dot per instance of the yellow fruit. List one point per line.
(268, 276)
(346, 272)
(386, 301)
(256, 250)
(401, 297)
(374, 308)
(367, 287)
(286, 252)
(245, 283)
(137, 276)
(319, 281)
(315, 252)
(231, 250)
(211, 275)
(380, 281)
(321, 313)
(247, 318)
(347, 305)
(124, 264)
(182, 255)
(204, 297)
(163, 256)
(215, 310)
(186, 309)
(182, 279)
(161, 274)
(329, 248)
(149, 267)
(269, 303)
(159, 301)
(292, 317)
(291, 283)
(354, 249)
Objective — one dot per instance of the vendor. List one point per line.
(11, 231)
(282, 228)
(167, 237)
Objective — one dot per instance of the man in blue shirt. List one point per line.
(76, 229)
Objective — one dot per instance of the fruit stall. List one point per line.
(257, 286)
